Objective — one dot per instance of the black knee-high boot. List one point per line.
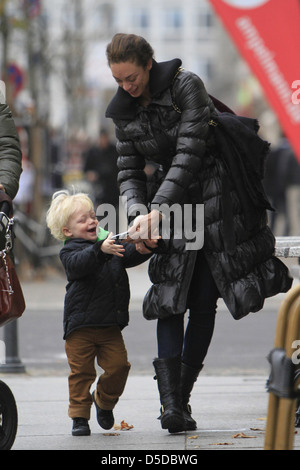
(168, 382)
(189, 376)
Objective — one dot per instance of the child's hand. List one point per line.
(109, 247)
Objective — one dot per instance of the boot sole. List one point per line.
(190, 427)
(190, 424)
(81, 431)
(173, 423)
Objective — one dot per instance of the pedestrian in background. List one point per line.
(100, 168)
(282, 185)
(161, 114)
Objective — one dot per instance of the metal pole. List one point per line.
(13, 363)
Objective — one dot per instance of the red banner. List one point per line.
(267, 34)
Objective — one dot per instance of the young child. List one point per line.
(96, 307)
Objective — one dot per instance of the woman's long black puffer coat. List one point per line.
(173, 131)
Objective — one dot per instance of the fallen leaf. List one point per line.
(222, 444)
(257, 429)
(111, 434)
(244, 436)
(193, 437)
(126, 426)
(123, 426)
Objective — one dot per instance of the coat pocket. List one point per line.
(171, 276)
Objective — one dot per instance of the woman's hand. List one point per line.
(145, 227)
(109, 247)
(142, 247)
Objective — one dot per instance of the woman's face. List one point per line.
(131, 77)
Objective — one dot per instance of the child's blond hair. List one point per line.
(63, 205)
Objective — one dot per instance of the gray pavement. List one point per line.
(226, 409)
(230, 409)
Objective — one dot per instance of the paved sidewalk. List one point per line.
(230, 411)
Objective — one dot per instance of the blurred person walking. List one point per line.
(282, 185)
(100, 168)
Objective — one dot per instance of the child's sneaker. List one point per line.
(80, 427)
(105, 418)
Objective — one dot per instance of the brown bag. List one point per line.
(12, 303)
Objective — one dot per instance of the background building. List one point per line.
(58, 47)
(59, 84)
(187, 30)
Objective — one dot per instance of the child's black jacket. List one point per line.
(97, 293)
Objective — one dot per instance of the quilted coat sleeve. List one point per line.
(131, 177)
(190, 96)
(188, 138)
(10, 152)
(132, 257)
(79, 263)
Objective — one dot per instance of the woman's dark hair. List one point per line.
(129, 48)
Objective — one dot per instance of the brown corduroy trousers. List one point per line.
(106, 345)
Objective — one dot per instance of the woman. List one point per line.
(162, 114)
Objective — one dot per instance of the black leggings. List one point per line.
(193, 343)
